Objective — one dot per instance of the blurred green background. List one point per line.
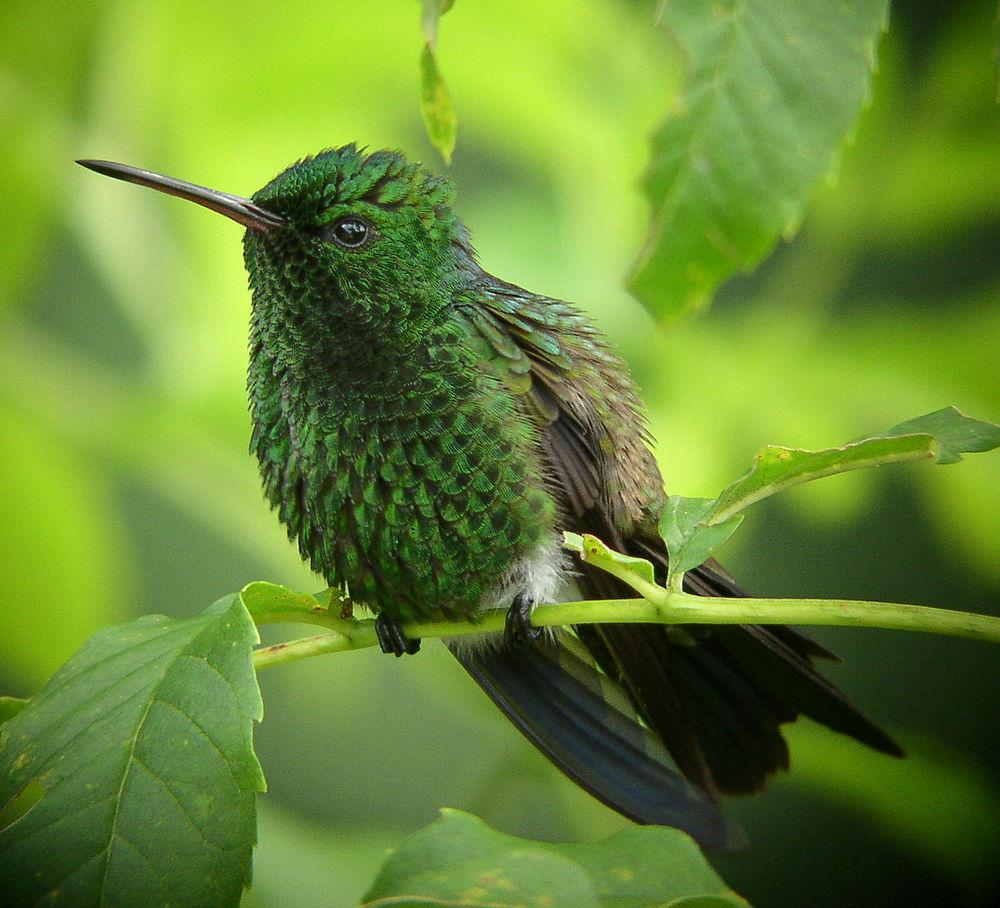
(128, 488)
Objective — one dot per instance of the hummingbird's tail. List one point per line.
(718, 699)
(656, 722)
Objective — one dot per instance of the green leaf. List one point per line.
(944, 434)
(694, 527)
(590, 548)
(459, 860)
(261, 597)
(647, 865)
(440, 119)
(771, 92)
(10, 707)
(776, 468)
(689, 540)
(436, 105)
(955, 433)
(142, 748)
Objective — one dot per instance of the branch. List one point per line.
(270, 604)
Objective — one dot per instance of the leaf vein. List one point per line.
(181, 806)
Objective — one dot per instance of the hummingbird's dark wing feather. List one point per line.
(716, 697)
(585, 724)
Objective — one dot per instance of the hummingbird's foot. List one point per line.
(392, 639)
(518, 630)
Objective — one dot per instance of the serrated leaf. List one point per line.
(772, 90)
(142, 748)
(436, 105)
(459, 860)
(689, 540)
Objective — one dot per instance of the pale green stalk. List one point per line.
(660, 607)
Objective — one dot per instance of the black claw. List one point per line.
(518, 630)
(392, 639)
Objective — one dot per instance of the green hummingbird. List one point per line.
(426, 430)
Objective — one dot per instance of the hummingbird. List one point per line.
(426, 430)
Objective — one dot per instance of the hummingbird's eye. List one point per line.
(351, 233)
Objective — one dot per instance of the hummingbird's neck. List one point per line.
(336, 333)
(326, 384)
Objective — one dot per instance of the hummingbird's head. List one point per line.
(369, 253)
(347, 252)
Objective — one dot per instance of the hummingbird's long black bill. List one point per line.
(241, 210)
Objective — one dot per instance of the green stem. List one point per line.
(685, 608)
(293, 650)
(661, 607)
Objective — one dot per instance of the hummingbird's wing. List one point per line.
(587, 726)
(716, 696)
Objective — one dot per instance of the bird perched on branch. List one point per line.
(425, 430)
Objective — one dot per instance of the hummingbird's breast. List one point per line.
(419, 491)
